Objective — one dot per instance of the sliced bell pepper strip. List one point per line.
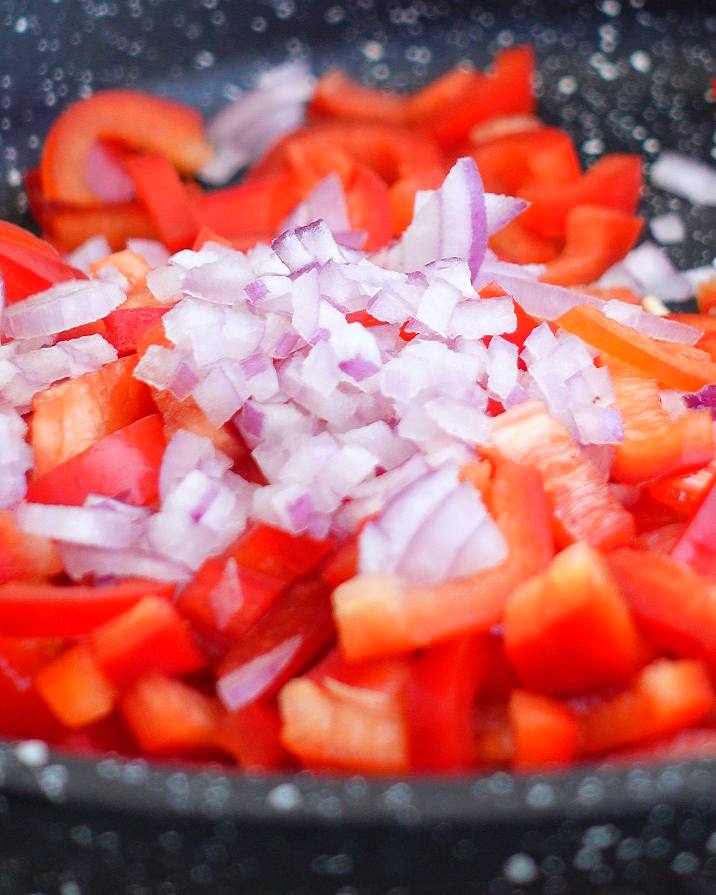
(254, 205)
(666, 696)
(69, 610)
(545, 733)
(136, 119)
(223, 600)
(344, 727)
(368, 206)
(568, 630)
(506, 90)
(392, 152)
(673, 605)
(123, 465)
(71, 416)
(519, 244)
(168, 717)
(160, 190)
(278, 554)
(509, 162)
(150, 636)
(503, 125)
(337, 96)
(27, 269)
(655, 445)
(75, 689)
(24, 556)
(440, 701)
(378, 615)
(124, 327)
(612, 182)
(672, 365)
(68, 227)
(583, 507)
(685, 494)
(296, 629)
(595, 239)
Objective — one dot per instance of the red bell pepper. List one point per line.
(252, 735)
(68, 226)
(24, 713)
(440, 701)
(612, 182)
(545, 733)
(131, 265)
(278, 554)
(401, 196)
(160, 190)
(519, 244)
(124, 465)
(24, 556)
(343, 727)
(138, 120)
(69, 417)
(255, 205)
(672, 365)
(698, 742)
(378, 615)
(510, 162)
(595, 239)
(223, 600)
(686, 493)
(125, 326)
(337, 96)
(660, 540)
(506, 90)
(583, 507)
(666, 697)
(673, 605)
(69, 610)
(151, 636)
(568, 630)
(29, 265)
(168, 717)
(75, 689)
(368, 205)
(697, 544)
(296, 629)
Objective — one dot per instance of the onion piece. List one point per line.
(684, 176)
(106, 177)
(450, 222)
(61, 307)
(79, 562)
(326, 202)
(15, 458)
(92, 249)
(89, 526)
(242, 131)
(651, 325)
(668, 229)
(651, 268)
(542, 300)
(500, 210)
(154, 252)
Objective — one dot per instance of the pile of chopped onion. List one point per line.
(360, 383)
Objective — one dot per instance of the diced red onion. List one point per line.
(542, 300)
(651, 325)
(500, 210)
(106, 177)
(101, 562)
(165, 283)
(502, 367)
(92, 249)
(88, 526)
(15, 458)
(650, 267)
(163, 368)
(483, 317)
(248, 682)
(705, 398)
(674, 403)
(154, 252)
(61, 307)
(426, 533)
(684, 176)
(326, 202)
(668, 229)
(187, 451)
(449, 222)
(242, 131)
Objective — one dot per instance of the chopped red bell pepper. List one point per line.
(337, 96)
(138, 120)
(150, 636)
(160, 190)
(278, 554)
(296, 629)
(253, 736)
(368, 205)
(68, 226)
(69, 610)
(568, 630)
(545, 733)
(401, 196)
(666, 697)
(24, 713)
(69, 417)
(24, 556)
(168, 717)
(125, 326)
(30, 265)
(252, 206)
(75, 689)
(583, 507)
(697, 544)
(124, 465)
(441, 696)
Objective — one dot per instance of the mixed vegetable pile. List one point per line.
(389, 458)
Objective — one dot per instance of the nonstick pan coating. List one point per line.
(629, 75)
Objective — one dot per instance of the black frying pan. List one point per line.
(619, 75)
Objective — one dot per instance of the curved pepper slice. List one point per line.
(139, 120)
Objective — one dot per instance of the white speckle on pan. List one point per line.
(32, 753)
(520, 869)
(685, 863)
(285, 797)
(540, 795)
(373, 50)
(53, 780)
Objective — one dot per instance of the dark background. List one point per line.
(618, 74)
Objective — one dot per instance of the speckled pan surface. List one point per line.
(619, 75)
